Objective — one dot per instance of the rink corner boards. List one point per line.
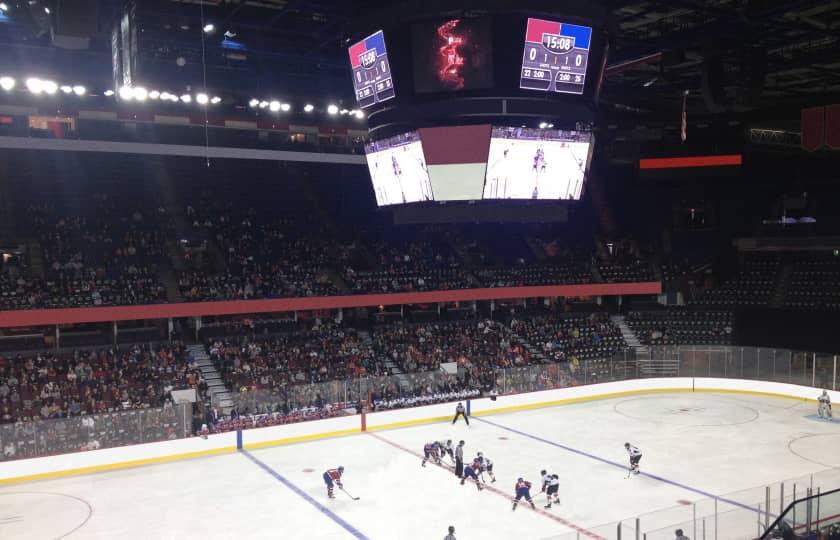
(56, 469)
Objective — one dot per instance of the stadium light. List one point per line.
(186, 98)
(274, 106)
(216, 100)
(263, 104)
(67, 89)
(308, 107)
(108, 92)
(253, 103)
(7, 83)
(344, 111)
(140, 93)
(285, 107)
(202, 98)
(208, 28)
(154, 94)
(360, 114)
(550, 126)
(47, 10)
(79, 90)
(4, 7)
(50, 87)
(126, 93)
(34, 85)
(543, 125)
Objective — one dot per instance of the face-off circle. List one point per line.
(685, 411)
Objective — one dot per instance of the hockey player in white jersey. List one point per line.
(824, 408)
(552, 492)
(635, 457)
(486, 466)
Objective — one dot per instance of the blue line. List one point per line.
(321, 508)
(621, 466)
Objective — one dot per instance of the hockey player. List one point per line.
(471, 471)
(431, 451)
(824, 408)
(546, 480)
(486, 465)
(523, 490)
(333, 476)
(552, 492)
(446, 449)
(635, 457)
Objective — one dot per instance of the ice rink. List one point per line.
(695, 445)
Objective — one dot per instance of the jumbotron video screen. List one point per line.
(398, 170)
(452, 55)
(542, 164)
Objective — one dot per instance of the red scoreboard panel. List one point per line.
(371, 71)
(555, 57)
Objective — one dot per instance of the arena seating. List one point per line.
(675, 326)
(570, 337)
(109, 258)
(814, 283)
(48, 386)
(754, 286)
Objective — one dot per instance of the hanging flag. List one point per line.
(683, 125)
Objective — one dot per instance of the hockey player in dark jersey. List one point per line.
(472, 471)
(431, 451)
(523, 491)
(333, 476)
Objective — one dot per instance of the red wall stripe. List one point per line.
(43, 317)
(694, 161)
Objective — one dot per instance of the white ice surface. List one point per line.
(714, 443)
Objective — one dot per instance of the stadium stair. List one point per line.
(783, 280)
(630, 337)
(219, 393)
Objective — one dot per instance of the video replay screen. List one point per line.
(542, 164)
(452, 55)
(398, 170)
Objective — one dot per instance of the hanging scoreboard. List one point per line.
(555, 57)
(371, 71)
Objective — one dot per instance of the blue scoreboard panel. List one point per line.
(371, 71)
(555, 58)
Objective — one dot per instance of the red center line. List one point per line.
(501, 493)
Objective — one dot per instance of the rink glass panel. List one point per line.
(38, 438)
(25, 439)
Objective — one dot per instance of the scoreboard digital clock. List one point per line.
(372, 79)
(555, 57)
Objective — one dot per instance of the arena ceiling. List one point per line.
(755, 59)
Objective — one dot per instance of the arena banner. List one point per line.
(43, 317)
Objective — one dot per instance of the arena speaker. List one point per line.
(714, 93)
(74, 23)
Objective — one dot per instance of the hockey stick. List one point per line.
(629, 472)
(348, 494)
